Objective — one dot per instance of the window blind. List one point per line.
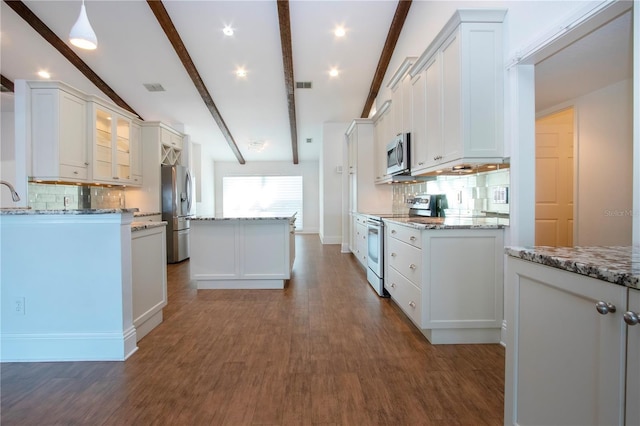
(262, 196)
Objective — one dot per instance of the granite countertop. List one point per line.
(450, 222)
(618, 265)
(139, 226)
(143, 214)
(290, 218)
(28, 211)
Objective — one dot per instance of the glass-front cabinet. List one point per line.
(112, 146)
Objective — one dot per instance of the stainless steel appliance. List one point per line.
(398, 152)
(429, 205)
(176, 208)
(375, 255)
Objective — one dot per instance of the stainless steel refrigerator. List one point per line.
(176, 208)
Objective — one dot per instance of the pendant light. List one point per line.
(82, 34)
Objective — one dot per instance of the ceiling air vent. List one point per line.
(303, 85)
(154, 87)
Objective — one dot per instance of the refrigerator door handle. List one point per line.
(188, 188)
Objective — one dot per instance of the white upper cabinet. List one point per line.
(461, 94)
(382, 130)
(111, 145)
(59, 133)
(400, 85)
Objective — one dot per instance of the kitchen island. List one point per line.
(242, 253)
(66, 285)
(573, 338)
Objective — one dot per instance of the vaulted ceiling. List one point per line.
(180, 45)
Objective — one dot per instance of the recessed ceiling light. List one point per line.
(334, 72)
(241, 72)
(227, 30)
(44, 74)
(339, 31)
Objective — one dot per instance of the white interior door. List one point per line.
(554, 179)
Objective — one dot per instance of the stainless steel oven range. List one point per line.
(375, 255)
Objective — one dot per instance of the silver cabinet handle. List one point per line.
(393, 231)
(605, 308)
(631, 318)
(86, 164)
(393, 285)
(421, 163)
(412, 304)
(412, 266)
(75, 172)
(393, 255)
(412, 238)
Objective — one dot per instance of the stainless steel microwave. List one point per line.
(398, 155)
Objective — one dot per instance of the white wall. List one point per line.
(331, 182)
(309, 170)
(605, 166)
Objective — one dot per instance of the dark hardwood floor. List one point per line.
(324, 351)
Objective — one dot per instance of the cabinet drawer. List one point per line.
(405, 233)
(406, 259)
(406, 295)
(73, 172)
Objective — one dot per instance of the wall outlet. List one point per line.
(18, 305)
(67, 201)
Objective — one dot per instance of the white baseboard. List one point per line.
(68, 346)
(331, 240)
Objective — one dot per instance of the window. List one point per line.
(262, 196)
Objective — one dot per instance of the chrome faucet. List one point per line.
(14, 194)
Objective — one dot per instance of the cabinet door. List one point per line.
(633, 362)
(418, 131)
(73, 131)
(451, 99)
(122, 151)
(433, 112)
(396, 110)
(565, 360)
(407, 121)
(103, 149)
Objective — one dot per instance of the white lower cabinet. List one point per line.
(149, 278)
(565, 360)
(359, 243)
(447, 281)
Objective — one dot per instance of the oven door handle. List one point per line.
(372, 223)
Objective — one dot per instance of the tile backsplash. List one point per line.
(46, 196)
(468, 195)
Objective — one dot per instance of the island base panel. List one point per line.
(240, 284)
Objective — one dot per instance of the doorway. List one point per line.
(554, 221)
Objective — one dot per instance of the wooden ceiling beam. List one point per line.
(287, 61)
(165, 22)
(6, 83)
(41, 28)
(387, 51)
